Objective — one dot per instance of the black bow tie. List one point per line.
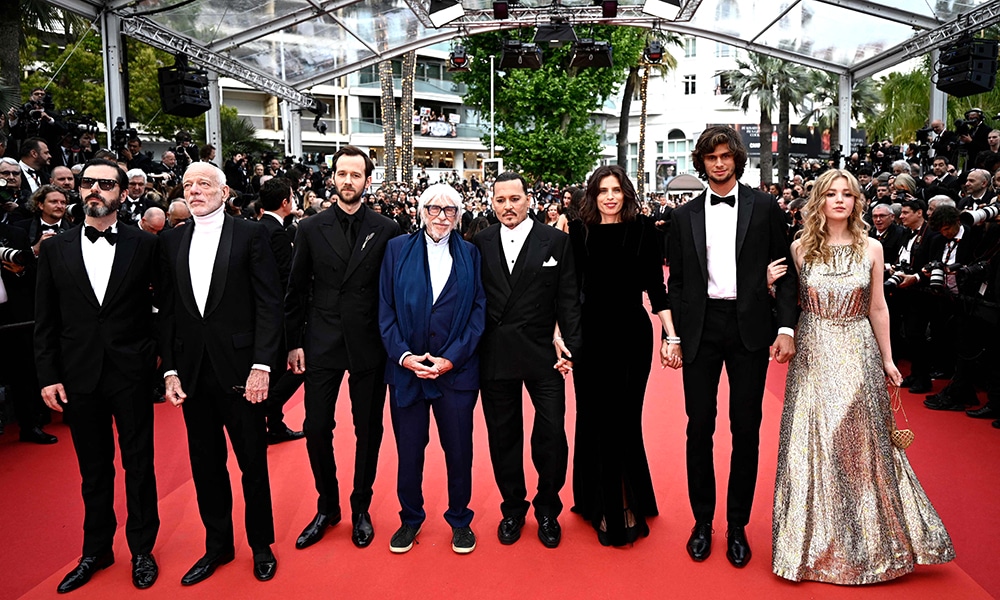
(93, 235)
(730, 200)
(50, 228)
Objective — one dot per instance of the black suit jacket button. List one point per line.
(100, 320)
(362, 289)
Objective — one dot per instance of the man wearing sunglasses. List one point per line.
(95, 350)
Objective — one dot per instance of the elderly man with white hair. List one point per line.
(432, 312)
(135, 204)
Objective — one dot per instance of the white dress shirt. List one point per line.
(33, 177)
(276, 217)
(201, 258)
(98, 257)
(720, 245)
(512, 240)
(439, 262)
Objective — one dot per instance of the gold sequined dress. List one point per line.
(848, 508)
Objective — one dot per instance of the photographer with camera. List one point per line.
(34, 164)
(49, 204)
(977, 190)
(137, 159)
(973, 134)
(13, 199)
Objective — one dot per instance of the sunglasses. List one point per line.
(449, 211)
(105, 184)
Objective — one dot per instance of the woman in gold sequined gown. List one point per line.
(848, 508)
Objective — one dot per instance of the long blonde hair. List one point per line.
(813, 237)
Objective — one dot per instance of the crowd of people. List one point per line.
(266, 276)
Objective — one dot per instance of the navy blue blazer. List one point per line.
(459, 347)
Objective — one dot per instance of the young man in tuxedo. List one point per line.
(276, 198)
(220, 332)
(95, 351)
(720, 246)
(530, 280)
(331, 326)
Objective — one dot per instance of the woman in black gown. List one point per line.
(618, 256)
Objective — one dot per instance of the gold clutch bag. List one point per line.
(901, 438)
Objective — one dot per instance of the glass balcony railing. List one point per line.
(420, 85)
(462, 130)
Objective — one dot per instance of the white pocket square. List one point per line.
(551, 262)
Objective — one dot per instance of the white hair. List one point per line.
(220, 175)
(136, 173)
(444, 191)
(941, 200)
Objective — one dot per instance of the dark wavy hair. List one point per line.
(589, 213)
(714, 136)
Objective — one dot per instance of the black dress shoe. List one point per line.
(940, 374)
(204, 568)
(509, 530)
(996, 424)
(941, 402)
(35, 435)
(314, 530)
(699, 545)
(920, 386)
(283, 434)
(363, 533)
(549, 531)
(985, 412)
(144, 571)
(907, 381)
(264, 564)
(84, 571)
(738, 550)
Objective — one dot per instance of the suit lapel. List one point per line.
(534, 252)
(124, 253)
(220, 270)
(334, 236)
(745, 207)
(698, 233)
(77, 268)
(368, 233)
(184, 289)
(494, 261)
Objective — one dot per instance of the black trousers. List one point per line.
(283, 387)
(127, 403)
(210, 412)
(747, 371)
(17, 370)
(549, 449)
(367, 391)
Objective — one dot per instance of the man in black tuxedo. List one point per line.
(887, 232)
(95, 349)
(220, 332)
(530, 281)
(720, 245)
(34, 164)
(977, 190)
(276, 200)
(48, 204)
(331, 324)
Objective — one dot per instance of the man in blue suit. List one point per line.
(432, 312)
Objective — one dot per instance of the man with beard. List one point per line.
(331, 322)
(95, 350)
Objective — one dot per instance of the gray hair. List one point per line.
(136, 173)
(941, 200)
(440, 190)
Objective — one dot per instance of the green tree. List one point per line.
(238, 134)
(756, 79)
(825, 103)
(543, 116)
(791, 92)
(21, 19)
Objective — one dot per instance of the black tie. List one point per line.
(349, 223)
(730, 200)
(52, 228)
(93, 235)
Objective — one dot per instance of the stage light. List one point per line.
(501, 10)
(458, 60)
(609, 8)
(664, 9)
(591, 53)
(555, 34)
(520, 55)
(653, 52)
(443, 12)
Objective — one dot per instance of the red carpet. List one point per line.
(955, 457)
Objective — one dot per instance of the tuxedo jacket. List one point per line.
(34, 227)
(74, 334)
(523, 306)
(760, 238)
(892, 240)
(281, 246)
(20, 304)
(242, 321)
(331, 308)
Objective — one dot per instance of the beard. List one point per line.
(102, 210)
(354, 199)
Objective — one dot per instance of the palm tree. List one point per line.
(23, 17)
(825, 106)
(791, 92)
(757, 79)
(633, 79)
(388, 119)
(666, 64)
(406, 116)
(238, 134)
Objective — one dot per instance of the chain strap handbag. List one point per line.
(901, 438)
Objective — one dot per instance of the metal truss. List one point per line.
(160, 37)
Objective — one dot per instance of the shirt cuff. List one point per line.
(260, 367)
(403, 357)
(171, 372)
(787, 331)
